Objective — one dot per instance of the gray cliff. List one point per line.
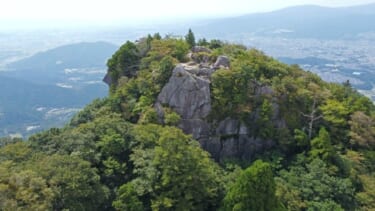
(188, 94)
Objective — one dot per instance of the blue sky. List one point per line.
(101, 11)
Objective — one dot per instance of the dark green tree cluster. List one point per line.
(253, 190)
(190, 38)
(118, 153)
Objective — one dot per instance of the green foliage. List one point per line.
(88, 113)
(366, 197)
(312, 187)
(118, 153)
(127, 199)
(157, 36)
(232, 93)
(149, 116)
(176, 174)
(165, 70)
(181, 49)
(321, 146)
(190, 38)
(203, 57)
(43, 182)
(8, 140)
(76, 185)
(324, 206)
(170, 117)
(124, 62)
(301, 138)
(362, 130)
(253, 190)
(24, 190)
(16, 152)
(236, 91)
(335, 112)
(215, 44)
(175, 48)
(203, 42)
(264, 122)
(187, 170)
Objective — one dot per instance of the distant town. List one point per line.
(334, 60)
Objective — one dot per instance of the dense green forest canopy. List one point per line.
(116, 154)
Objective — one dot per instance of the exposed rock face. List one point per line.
(200, 55)
(222, 62)
(188, 94)
(198, 49)
(107, 79)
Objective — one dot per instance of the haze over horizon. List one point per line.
(16, 14)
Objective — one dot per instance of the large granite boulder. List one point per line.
(188, 94)
(222, 62)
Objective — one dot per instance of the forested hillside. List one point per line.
(203, 125)
(48, 88)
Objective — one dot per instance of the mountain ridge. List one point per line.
(301, 21)
(39, 82)
(282, 138)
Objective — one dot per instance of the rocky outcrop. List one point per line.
(188, 94)
(200, 55)
(222, 62)
(200, 49)
(107, 79)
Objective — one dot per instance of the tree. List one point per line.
(337, 114)
(25, 190)
(75, 184)
(362, 130)
(312, 118)
(366, 197)
(264, 122)
(216, 44)
(190, 38)
(188, 176)
(16, 152)
(127, 199)
(157, 36)
(165, 70)
(310, 187)
(8, 140)
(124, 62)
(173, 172)
(203, 42)
(254, 190)
(317, 94)
(321, 146)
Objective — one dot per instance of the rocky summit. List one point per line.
(188, 94)
(202, 125)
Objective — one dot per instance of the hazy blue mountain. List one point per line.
(46, 89)
(24, 105)
(59, 64)
(73, 55)
(299, 22)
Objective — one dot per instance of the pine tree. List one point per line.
(190, 38)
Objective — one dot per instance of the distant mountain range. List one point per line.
(53, 66)
(298, 22)
(46, 89)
